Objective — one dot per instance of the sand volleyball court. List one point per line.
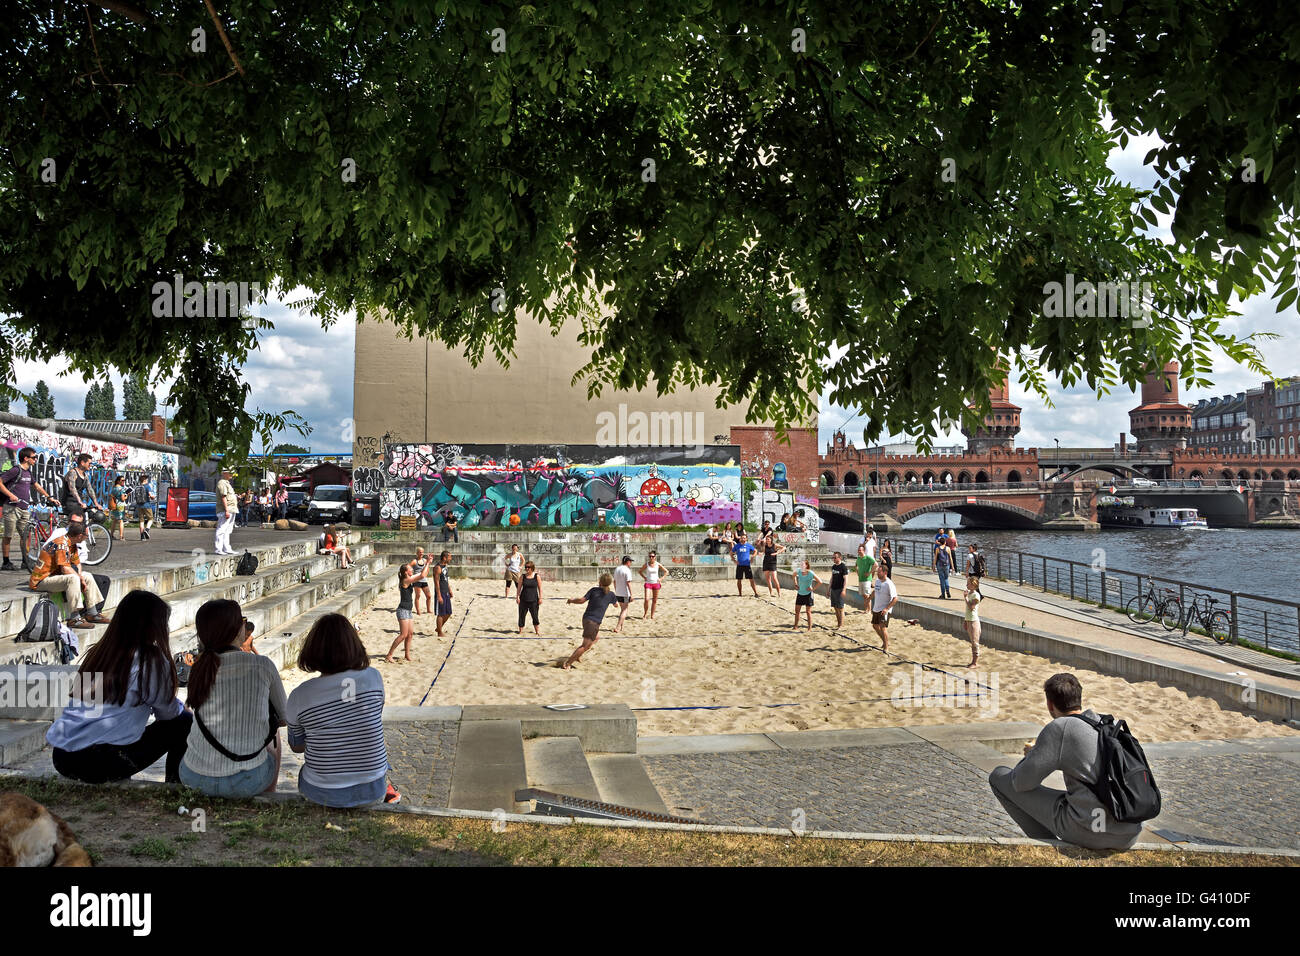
(708, 648)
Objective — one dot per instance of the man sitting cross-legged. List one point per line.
(59, 569)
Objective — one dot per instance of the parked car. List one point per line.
(330, 503)
(203, 505)
(1143, 483)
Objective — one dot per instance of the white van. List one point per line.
(329, 503)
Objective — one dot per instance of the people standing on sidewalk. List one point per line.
(146, 498)
(883, 598)
(117, 507)
(529, 596)
(972, 597)
(941, 564)
(282, 503)
(17, 485)
(226, 504)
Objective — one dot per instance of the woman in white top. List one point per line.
(514, 568)
(239, 707)
(650, 572)
(971, 625)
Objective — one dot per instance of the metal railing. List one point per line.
(1268, 622)
(1195, 484)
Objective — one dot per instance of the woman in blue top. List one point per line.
(597, 599)
(806, 581)
(104, 733)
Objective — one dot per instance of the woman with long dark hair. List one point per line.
(104, 733)
(239, 706)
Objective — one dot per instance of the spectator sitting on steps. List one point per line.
(1069, 745)
(59, 569)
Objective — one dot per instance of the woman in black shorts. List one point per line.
(770, 550)
(421, 567)
(529, 596)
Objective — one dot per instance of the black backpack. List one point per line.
(184, 663)
(247, 564)
(1125, 785)
(981, 566)
(42, 623)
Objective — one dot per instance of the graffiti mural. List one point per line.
(367, 481)
(511, 485)
(770, 504)
(57, 452)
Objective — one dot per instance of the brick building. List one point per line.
(1264, 420)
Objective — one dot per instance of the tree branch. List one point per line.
(224, 39)
(127, 10)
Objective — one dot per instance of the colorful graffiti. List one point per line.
(507, 485)
(56, 453)
(771, 504)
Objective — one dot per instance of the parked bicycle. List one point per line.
(98, 543)
(1217, 624)
(1145, 608)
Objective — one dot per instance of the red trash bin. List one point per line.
(178, 505)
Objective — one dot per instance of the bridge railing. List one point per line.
(964, 487)
(1267, 622)
(902, 488)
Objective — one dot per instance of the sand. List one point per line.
(709, 648)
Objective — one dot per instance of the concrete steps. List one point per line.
(20, 739)
(558, 764)
(622, 779)
(490, 766)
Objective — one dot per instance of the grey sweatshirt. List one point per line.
(1069, 745)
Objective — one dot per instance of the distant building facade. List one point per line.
(1264, 420)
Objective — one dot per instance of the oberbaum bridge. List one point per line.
(996, 485)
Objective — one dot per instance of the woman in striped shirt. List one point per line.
(239, 706)
(337, 720)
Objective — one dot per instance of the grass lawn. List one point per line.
(129, 826)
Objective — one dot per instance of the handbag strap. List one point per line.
(207, 735)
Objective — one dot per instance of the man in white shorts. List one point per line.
(623, 589)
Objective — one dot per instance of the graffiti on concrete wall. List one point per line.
(522, 485)
(57, 452)
(771, 504)
(367, 482)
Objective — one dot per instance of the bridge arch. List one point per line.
(1293, 475)
(963, 477)
(1118, 469)
(981, 478)
(828, 478)
(1023, 517)
(1013, 476)
(850, 479)
(1277, 475)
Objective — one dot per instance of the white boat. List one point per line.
(1134, 516)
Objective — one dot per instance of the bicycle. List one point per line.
(1216, 624)
(94, 550)
(1145, 608)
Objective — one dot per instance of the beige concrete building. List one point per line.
(421, 391)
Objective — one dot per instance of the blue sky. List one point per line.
(302, 367)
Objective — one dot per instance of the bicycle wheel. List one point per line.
(1171, 614)
(1221, 626)
(1142, 609)
(32, 542)
(98, 543)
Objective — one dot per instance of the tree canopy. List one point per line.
(862, 200)
(101, 402)
(138, 403)
(40, 404)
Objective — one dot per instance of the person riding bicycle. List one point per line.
(78, 495)
(16, 487)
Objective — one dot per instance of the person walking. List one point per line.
(17, 485)
(407, 578)
(226, 504)
(650, 573)
(742, 553)
(972, 597)
(623, 589)
(514, 569)
(770, 550)
(146, 499)
(442, 587)
(884, 597)
(941, 564)
(117, 507)
(805, 580)
(528, 595)
(598, 600)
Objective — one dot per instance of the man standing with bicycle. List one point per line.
(17, 485)
(77, 490)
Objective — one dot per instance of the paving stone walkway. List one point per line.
(422, 754)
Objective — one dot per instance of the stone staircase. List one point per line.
(293, 587)
(581, 555)
(587, 754)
